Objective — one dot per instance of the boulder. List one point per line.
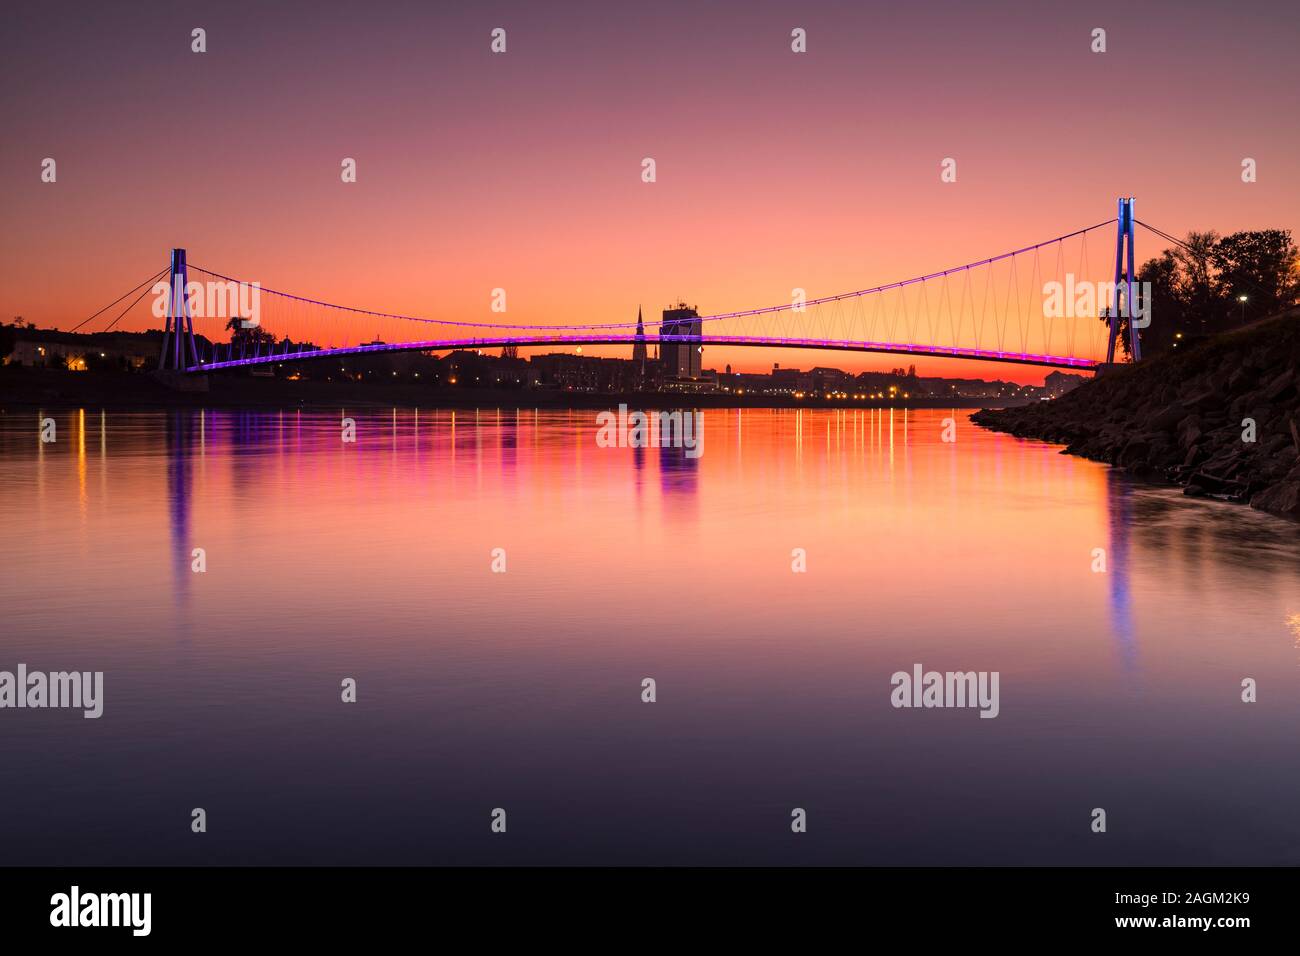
(1276, 444)
(1202, 401)
(1282, 498)
(1240, 380)
(1189, 431)
(1165, 419)
(1280, 386)
(1134, 452)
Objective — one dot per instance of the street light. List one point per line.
(1242, 300)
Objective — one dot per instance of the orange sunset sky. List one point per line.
(522, 170)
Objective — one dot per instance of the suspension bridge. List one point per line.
(991, 310)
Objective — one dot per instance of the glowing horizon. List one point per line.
(521, 171)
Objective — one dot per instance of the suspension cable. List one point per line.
(153, 278)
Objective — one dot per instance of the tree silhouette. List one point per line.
(248, 338)
(1195, 285)
(1261, 266)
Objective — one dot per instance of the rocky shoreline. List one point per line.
(1222, 419)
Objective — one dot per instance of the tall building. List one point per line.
(638, 349)
(680, 351)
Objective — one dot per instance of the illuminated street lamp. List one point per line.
(1242, 300)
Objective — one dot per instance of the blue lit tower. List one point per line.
(1124, 279)
(178, 351)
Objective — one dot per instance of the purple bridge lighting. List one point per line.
(860, 321)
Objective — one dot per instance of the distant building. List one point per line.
(790, 381)
(681, 358)
(80, 351)
(468, 368)
(1057, 384)
(583, 373)
(830, 380)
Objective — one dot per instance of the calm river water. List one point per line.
(522, 690)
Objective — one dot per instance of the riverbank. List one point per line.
(23, 387)
(1220, 419)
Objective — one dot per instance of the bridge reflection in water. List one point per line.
(373, 560)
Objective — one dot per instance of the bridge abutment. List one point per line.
(179, 381)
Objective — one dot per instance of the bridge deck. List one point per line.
(843, 345)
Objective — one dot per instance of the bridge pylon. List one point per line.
(1124, 281)
(178, 349)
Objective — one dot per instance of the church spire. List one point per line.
(638, 348)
